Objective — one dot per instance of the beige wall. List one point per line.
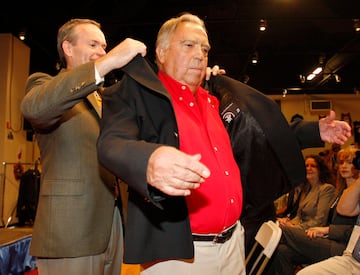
(14, 70)
(300, 103)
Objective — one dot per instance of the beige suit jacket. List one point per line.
(76, 204)
(315, 206)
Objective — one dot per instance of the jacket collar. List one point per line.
(142, 71)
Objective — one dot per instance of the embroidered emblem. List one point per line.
(230, 112)
(228, 117)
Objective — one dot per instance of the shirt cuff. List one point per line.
(98, 78)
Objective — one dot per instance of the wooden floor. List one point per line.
(128, 269)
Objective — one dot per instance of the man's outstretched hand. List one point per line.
(334, 131)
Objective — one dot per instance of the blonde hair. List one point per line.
(346, 154)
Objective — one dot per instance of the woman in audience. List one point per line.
(299, 247)
(314, 196)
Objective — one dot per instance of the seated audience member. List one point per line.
(330, 157)
(298, 247)
(349, 262)
(281, 205)
(315, 196)
(290, 205)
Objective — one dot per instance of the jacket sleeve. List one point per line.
(122, 146)
(47, 98)
(307, 133)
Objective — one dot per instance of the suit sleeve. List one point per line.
(120, 147)
(307, 133)
(47, 98)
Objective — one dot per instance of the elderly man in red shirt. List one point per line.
(163, 135)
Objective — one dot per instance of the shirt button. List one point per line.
(180, 98)
(183, 88)
(191, 104)
(215, 149)
(231, 201)
(227, 173)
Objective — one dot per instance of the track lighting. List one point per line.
(319, 68)
(302, 78)
(314, 73)
(337, 78)
(356, 25)
(22, 35)
(263, 25)
(245, 78)
(255, 58)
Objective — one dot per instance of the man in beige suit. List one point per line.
(77, 228)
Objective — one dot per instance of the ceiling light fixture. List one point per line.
(317, 70)
(302, 78)
(284, 92)
(356, 24)
(22, 35)
(337, 78)
(255, 58)
(245, 78)
(263, 25)
(314, 73)
(310, 77)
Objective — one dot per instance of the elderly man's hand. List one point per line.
(174, 172)
(334, 131)
(213, 71)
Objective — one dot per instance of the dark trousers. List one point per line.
(296, 248)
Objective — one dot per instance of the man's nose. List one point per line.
(101, 51)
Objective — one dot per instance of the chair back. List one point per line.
(267, 239)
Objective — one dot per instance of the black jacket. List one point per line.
(137, 118)
(266, 149)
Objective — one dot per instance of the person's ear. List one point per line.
(67, 48)
(160, 52)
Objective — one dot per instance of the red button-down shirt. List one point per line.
(217, 204)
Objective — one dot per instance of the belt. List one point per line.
(218, 238)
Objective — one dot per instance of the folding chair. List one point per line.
(267, 239)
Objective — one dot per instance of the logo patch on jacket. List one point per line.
(230, 112)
